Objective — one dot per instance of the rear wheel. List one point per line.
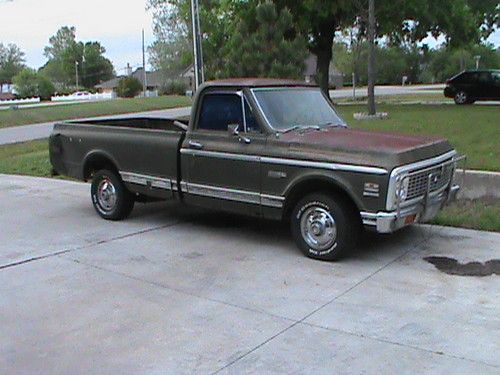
(110, 197)
(324, 226)
(461, 97)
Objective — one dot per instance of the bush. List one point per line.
(129, 87)
(174, 87)
(29, 84)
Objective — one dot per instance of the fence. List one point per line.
(81, 96)
(19, 101)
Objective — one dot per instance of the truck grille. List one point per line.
(441, 175)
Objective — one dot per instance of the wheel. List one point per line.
(324, 226)
(461, 97)
(110, 197)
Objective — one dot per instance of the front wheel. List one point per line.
(324, 226)
(110, 197)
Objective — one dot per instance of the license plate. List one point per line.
(410, 219)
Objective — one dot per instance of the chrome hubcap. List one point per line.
(106, 194)
(318, 228)
(461, 97)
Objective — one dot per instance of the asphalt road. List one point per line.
(182, 291)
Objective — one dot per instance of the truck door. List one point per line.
(220, 157)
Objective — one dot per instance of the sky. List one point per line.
(117, 24)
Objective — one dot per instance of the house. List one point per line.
(336, 79)
(155, 80)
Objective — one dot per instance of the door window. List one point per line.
(220, 110)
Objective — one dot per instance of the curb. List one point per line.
(478, 184)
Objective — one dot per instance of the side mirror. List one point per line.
(233, 129)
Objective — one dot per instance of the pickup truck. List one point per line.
(274, 149)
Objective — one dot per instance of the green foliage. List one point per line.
(264, 46)
(26, 83)
(29, 84)
(65, 55)
(129, 87)
(174, 87)
(11, 62)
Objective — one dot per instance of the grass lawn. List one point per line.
(473, 130)
(28, 158)
(437, 97)
(23, 116)
(32, 158)
(482, 214)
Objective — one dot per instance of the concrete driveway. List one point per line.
(182, 291)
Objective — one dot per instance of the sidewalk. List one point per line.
(39, 131)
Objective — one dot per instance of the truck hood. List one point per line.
(361, 147)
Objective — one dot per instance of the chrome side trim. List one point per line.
(220, 155)
(147, 180)
(289, 162)
(233, 194)
(325, 165)
(272, 201)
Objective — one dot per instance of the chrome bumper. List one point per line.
(427, 209)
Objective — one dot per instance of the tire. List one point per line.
(330, 221)
(461, 98)
(110, 197)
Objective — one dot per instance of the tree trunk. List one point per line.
(323, 70)
(371, 58)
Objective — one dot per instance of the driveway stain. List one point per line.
(451, 266)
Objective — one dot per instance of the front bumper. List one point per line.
(426, 210)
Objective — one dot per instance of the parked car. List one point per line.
(266, 148)
(472, 85)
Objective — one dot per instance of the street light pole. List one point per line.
(76, 75)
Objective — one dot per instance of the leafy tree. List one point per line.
(129, 87)
(30, 83)
(11, 62)
(265, 46)
(26, 83)
(66, 55)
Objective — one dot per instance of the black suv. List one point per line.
(472, 85)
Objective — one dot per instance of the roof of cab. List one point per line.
(257, 82)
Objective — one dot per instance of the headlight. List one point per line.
(401, 191)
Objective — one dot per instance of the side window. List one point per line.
(252, 125)
(484, 77)
(220, 110)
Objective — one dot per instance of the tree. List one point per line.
(66, 55)
(129, 87)
(30, 83)
(265, 47)
(11, 62)
(318, 20)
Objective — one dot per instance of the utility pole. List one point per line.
(144, 75)
(76, 75)
(371, 58)
(199, 74)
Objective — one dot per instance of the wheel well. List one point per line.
(96, 163)
(315, 185)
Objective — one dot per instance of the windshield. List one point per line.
(295, 108)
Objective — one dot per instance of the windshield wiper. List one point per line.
(295, 127)
(332, 124)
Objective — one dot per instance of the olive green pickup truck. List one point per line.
(267, 148)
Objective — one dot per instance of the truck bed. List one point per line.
(153, 123)
(144, 151)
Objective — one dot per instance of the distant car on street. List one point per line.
(472, 85)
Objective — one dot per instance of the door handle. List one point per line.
(195, 145)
